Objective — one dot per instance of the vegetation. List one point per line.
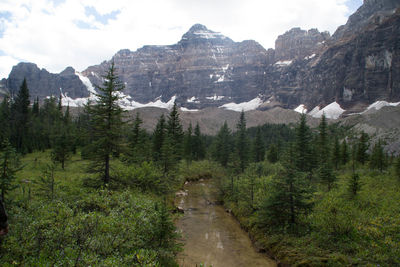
(322, 196)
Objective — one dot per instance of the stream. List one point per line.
(212, 236)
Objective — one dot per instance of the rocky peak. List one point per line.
(68, 71)
(199, 33)
(298, 43)
(362, 17)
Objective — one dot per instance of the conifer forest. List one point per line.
(92, 187)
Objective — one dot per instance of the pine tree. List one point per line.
(272, 154)
(303, 152)
(242, 142)
(362, 148)
(9, 164)
(107, 123)
(20, 113)
(188, 144)
(198, 145)
(138, 142)
(378, 157)
(158, 138)
(223, 145)
(258, 147)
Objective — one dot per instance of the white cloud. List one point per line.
(47, 34)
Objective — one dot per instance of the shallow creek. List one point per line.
(211, 235)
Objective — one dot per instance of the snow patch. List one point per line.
(283, 63)
(86, 82)
(380, 104)
(301, 109)
(189, 110)
(209, 34)
(128, 104)
(310, 57)
(331, 111)
(215, 97)
(245, 106)
(314, 111)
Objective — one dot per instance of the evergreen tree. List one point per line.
(344, 153)
(354, 185)
(35, 107)
(138, 142)
(303, 152)
(397, 167)
(107, 123)
(20, 113)
(198, 145)
(258, 147)
(362, 148)
(5, 116)
(158, 138)
(223, 145)
(336, 159)
(272, 154)
(188, 144)
(242, 142)
(378, 157)
(9, 164)
(175, 133)
(323, 145)
(62, 148)
(289, 198)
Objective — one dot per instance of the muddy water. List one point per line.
(211, 235)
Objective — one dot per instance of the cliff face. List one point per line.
(358, 65)
(297, 43)
(41, 83)
(203, 64)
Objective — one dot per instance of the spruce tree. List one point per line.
(223, 145)
(378, 157)
(158, 138)
(107, 123)
(258, 146)
(344, 152)
(336, 159)
(303, 151)
(242, 142)
(289, 197)
(175, 133)
(188, 144)
(272, 154)
(20, 113)
(362, 148)
(5, 116)
(198, 144)
(397, 167)
(9, 165)
(138, 142)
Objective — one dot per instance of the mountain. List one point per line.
(356, 66)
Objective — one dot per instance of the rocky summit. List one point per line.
(356, 66)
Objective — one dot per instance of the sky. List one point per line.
(55, 34)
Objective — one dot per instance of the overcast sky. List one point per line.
(55, 34)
